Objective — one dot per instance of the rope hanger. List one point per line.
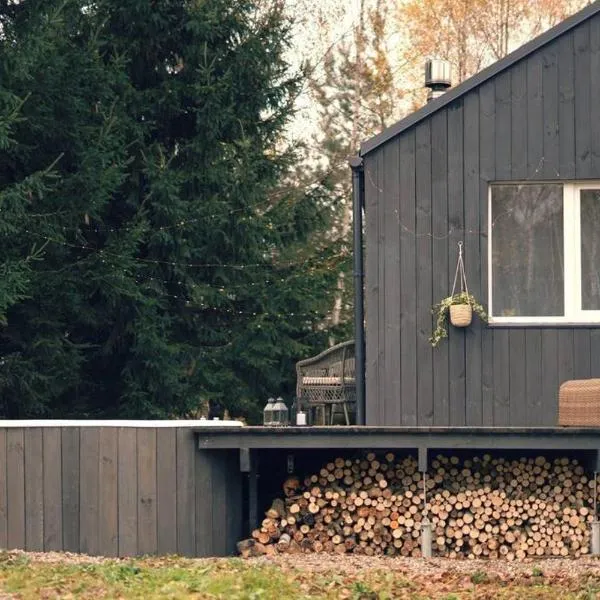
(460, 272)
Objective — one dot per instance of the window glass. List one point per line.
(590, 249)
(527, 250)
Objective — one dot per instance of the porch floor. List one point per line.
(489, 438)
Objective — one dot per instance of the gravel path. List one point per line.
(435, 567)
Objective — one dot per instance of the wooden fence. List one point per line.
(117, 491)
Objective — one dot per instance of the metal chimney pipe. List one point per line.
(438, 77)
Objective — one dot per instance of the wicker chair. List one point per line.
(327, 380)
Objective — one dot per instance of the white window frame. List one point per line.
(574, 314)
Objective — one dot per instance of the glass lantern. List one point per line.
(280, 413)
(268, 412)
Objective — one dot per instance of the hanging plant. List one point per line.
(442, 309)
(459, 305)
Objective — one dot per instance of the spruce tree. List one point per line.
(158, 261)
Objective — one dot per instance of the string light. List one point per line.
(104, 252)
(460, 230)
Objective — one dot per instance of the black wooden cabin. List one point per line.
(509, 163)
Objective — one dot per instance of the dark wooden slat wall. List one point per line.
(455, 234)
(372, 288)
(439, 227)
(407, 281)
(424, 265)
(118, 491)
(538, 120)
(392, 260)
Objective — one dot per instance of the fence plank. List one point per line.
(70, 488)
(53, 522)
(186, 492)
(3, 492)
(146, 462)
(127, 490)
(166, 489)
(108, 522)
(89, 489)
(15, 484)
(34, 490)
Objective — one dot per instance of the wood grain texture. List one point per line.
(166, 490)
(487, 166)
(518, 117)
(501, 348)
(127, 483)
(502, 111)
(108, 509)
(566, 106)
(535, 118)
(70, 469)
(15, 484)
(381, 265)
(390, 301)
(89, 490)
(517, 377)
(548, 406)
(34, 490)
(473, 238)
(583, 101)
(186, 492)
(424, 274)
(551, 145)
(565, 355)
(536, 410)
(372, 291)
(52, 485)
(146, 489)
(582, 356)
(408, 282)
(456, 235)
(439, 211)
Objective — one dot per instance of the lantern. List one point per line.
(268, 412)
(280, 413)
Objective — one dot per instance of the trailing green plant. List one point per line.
(442, 308)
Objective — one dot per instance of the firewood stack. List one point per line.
(481, 507)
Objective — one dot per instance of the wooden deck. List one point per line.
(489, 438)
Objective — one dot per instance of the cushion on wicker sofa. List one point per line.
(579, 403)
(327, 380)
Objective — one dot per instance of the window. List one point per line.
(544, 253)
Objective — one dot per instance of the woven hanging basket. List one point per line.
(461, 315)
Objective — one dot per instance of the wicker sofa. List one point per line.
(327, 381)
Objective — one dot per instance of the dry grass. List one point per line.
(32, 575)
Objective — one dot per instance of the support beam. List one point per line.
(422, 459)
(249, 465)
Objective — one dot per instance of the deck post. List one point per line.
(426, 530)
(248, 464)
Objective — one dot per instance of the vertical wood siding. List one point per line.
(426, 189)
(117, 492)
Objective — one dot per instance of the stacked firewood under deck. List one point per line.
(476, 507)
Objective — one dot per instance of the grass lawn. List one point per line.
(55, 576)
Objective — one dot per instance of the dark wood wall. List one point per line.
(426, 189)
(117, 491)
